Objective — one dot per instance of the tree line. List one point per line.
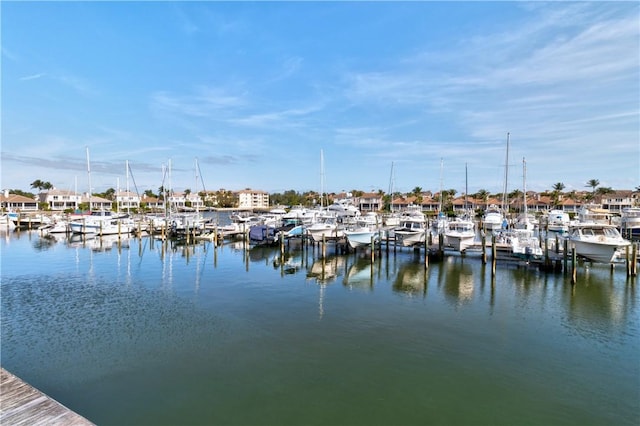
(226, 198)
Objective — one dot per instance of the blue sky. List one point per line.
(256, 90)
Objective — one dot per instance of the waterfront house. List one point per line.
(17, 203)
(618, 200)
(370, 202)
(194, 200)
(177, 200)
(60, 199)
(97, 203)
(127, 200)
(151, 203)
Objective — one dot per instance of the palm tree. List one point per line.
(557, 191)
(483, 195)
(593, 183)
(37, 184)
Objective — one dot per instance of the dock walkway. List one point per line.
(22, 404)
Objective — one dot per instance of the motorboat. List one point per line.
(326, 226)
(460, 234)
(364, 232)
(492, 220)
(101, 222)
(558, 221)
(590, 213)
(630, 221)
(597, 242)
(412, 229)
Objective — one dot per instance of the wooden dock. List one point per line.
(22, 404)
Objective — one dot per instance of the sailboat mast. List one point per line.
(524, 185)
(506, 177)
(391, 182)
(195, 171)
(89, 176)
(466, 186)
(321, 178)
(441, 167)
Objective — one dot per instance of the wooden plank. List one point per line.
(22, 404)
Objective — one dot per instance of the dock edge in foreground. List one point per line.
(22, 404)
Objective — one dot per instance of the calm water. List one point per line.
(151, 334)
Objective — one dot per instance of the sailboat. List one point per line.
(393, 218)
(439, 225)
(524, 243)
(102, 222)
(493, 218)
(460, 233)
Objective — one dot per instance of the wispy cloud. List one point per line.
(32, 77)
(205, 102)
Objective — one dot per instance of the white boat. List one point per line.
(29, 220)
(597, 242)
(344, 207)
(590, 213)
(630, 220)
(439, 225)
(558, 221)
(6, 224)
(412, 229)
(524, 243)
(326, 226)
(101, 223)
(60, 226)
(460, 234)
(492, 220)
(365, 231)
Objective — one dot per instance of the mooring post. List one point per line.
(574, 270)
(565, 254)
(484, 248)
(281, 236)
(634, 258)
(426, 251)
(373, 248)
(324, 246)
(494, 252)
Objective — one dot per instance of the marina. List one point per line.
(114, 326)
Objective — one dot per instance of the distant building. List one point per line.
(618, 200)
(151, 203)
(97, 203)
(60, 199)
(17, 203)
(370, 202)
(252, 199)
(127, 200)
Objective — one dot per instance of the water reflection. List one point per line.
(457, 280)
(411, 278)
(600, 302)
(361, 272)
(327, 269)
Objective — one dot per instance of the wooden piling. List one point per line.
(574, 269)
(426, 251)
(484, 249)
(494, 252)
(373, 248)
(565, 254)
